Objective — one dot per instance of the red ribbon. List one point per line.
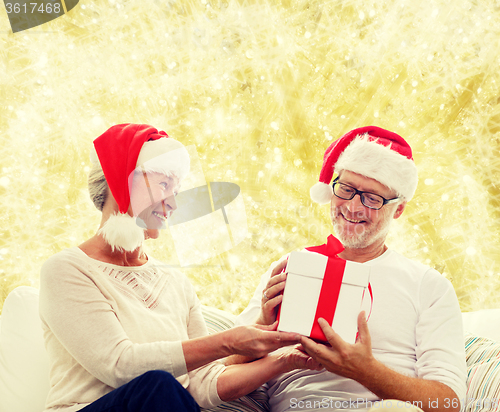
(329, 296)
(330, 288)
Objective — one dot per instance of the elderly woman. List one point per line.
(124, 332)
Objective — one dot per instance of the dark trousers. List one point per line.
(154, 391)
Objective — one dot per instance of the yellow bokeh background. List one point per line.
(261, 88)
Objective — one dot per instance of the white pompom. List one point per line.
(321, 193)
(120, 231)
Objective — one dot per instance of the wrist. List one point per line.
(282, 363)
(372, 371)
(263, 320)
(260, 320)
(226, 343)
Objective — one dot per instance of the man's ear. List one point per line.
(399, 210)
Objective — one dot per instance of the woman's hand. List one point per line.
(273, 295)
(258, 340)
(297, 358)
(238, 380)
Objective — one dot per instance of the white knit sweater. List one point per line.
(106, 324)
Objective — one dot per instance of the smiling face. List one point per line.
(357, 226)
(152, 200)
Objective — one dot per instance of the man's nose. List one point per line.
(355, 203)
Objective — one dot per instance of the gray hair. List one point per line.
(98, 186)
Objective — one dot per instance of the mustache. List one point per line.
(356, 215)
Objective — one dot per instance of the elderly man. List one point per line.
(411, 349)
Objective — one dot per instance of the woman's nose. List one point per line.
(170, 203)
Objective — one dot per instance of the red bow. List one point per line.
(331, 248)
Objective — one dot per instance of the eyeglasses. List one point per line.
(370, 200)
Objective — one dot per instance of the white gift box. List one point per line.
(303, 290)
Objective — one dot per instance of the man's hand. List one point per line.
(273, 294)
(357, 362)
(341, 357)
(257, 340)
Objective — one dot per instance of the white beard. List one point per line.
(367, 236)
(120, 231)
(364, 239)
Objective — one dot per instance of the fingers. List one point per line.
(314, 364)
(337, 342)
(269, 310)
(284, 338)
(323, 352)
(273, 326)
(364, 333)
(280, 267)
(270, 302)
(272, 297)
(310, 347)
(257, 341)
(341, 357)
(333, 337)
(275, 286)
(307, 362)
(296, 358)
(288, 338)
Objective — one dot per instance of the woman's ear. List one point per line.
(110, 207)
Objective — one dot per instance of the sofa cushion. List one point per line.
(484, 323)
(217, 320)
(257, 401)
(483, 374)
(24, 365)
(24, 381)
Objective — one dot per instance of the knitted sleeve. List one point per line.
(81, 325)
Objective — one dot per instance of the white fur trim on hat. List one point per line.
(380, 163)
(93, 156)
(166, 155)
(121, 232)
(321, 193)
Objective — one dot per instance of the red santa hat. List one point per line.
(122, 149)
(372, 152)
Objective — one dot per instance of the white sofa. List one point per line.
(24, 365)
